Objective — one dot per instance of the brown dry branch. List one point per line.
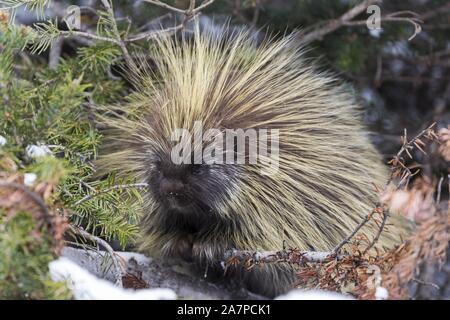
(428, 244)
(12, 201)
(15, 198)
(398, 170)
(189, 14)
(153, 34)
(416, 203)
(430, 241)
(397, 163)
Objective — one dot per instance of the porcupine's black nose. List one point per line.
(172, 188)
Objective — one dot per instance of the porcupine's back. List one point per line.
(327, 166)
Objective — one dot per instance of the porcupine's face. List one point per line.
(188, 189)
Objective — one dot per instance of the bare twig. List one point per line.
(189, 14)
(391, 18)
(87, 36)
(155, 33)
(256, 14)
(119, 270)
(321, 29)
(439, 191)
(165, 6)
(380, 230)
(116, 187)
(324, 28)
(350, 236)
(290, 256)
(202, 6)
(379, 72)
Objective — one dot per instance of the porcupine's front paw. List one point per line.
(182, 249)
(209, 253)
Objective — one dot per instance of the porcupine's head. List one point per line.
(323, 184)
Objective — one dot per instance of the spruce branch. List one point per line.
(116, 187)
(87, 35)
(30, 5)
(45, 34)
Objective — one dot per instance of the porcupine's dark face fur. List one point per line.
(186, 193)
(324, 185)
(178, 188)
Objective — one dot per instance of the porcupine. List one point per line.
(324, 185)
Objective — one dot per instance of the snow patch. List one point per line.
(376, 32)
(86, 286)
(29, 178)
(36, 151)
(381, 293)
(299, 294)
